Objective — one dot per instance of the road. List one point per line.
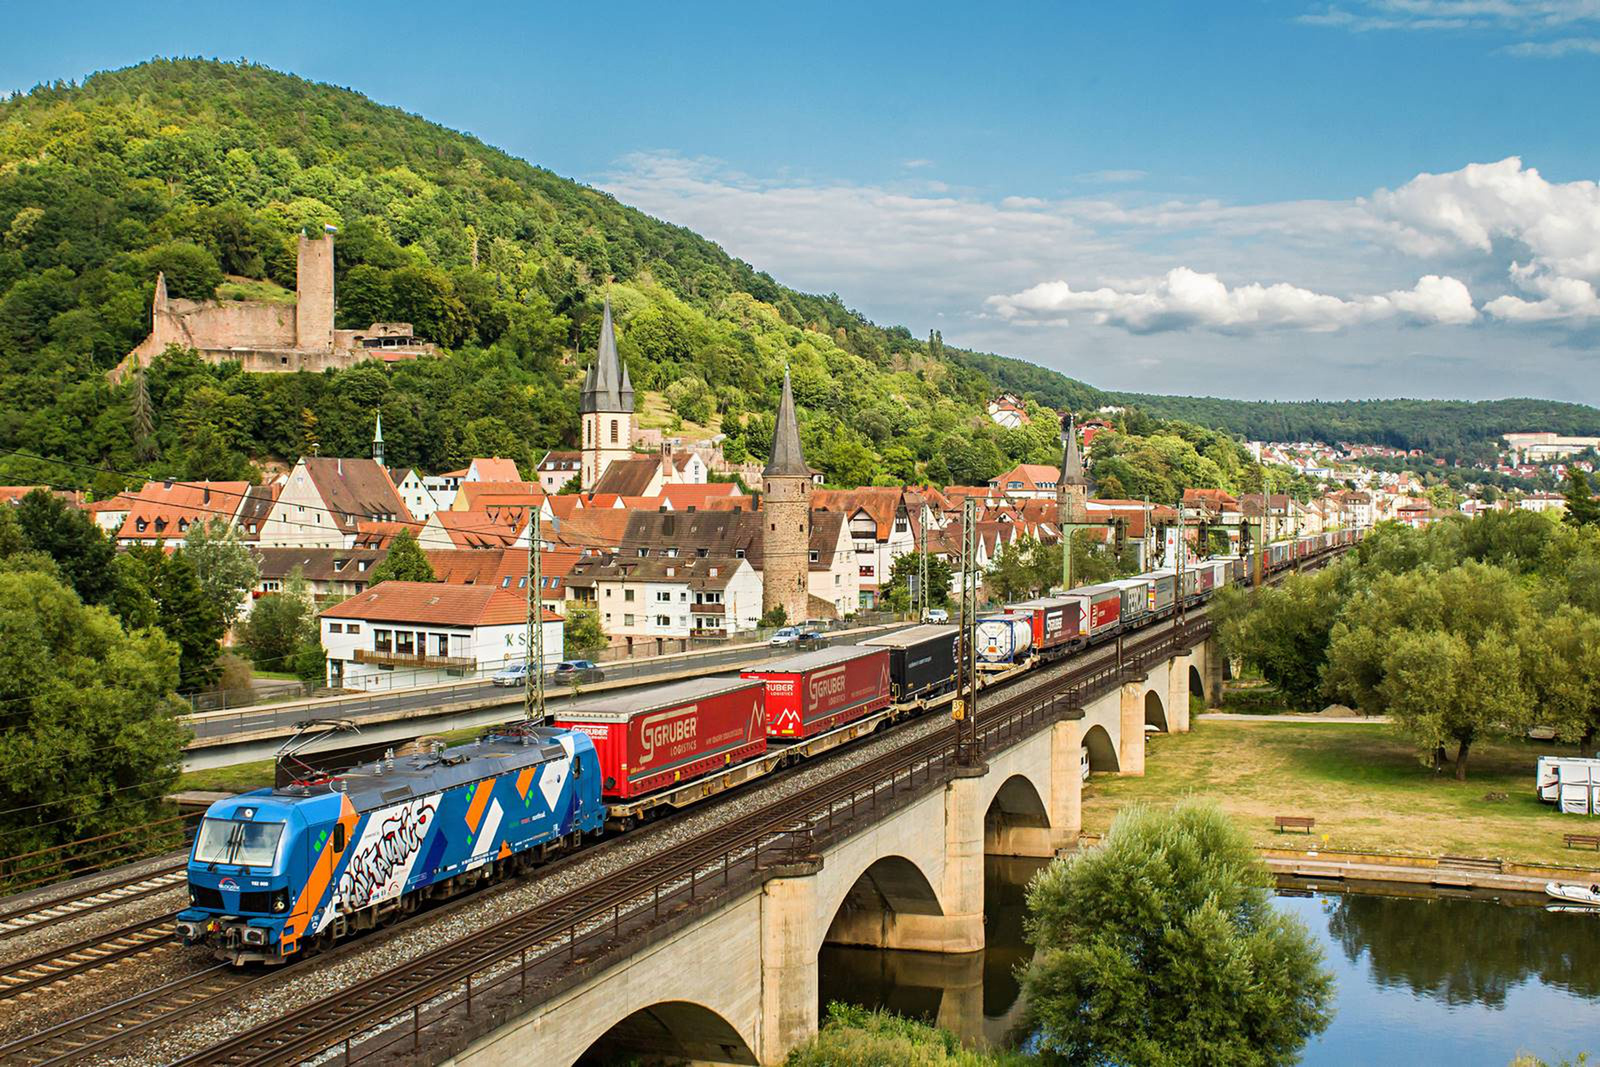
(282, 717)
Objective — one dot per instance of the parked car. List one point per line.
(515, 674)
(810, 639)
(786, 636)
(937, 615)
(577, 670)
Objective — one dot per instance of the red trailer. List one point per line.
(659, 735)
(816, 691)
(1055, 623)
(1099, 608)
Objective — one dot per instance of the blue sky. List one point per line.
(1204, 198)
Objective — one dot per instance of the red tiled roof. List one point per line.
(496, 469)
(355, 489)
(168, 509)
(683, 497)
(475, 496)
(628, 477)
(879, 502)
(436, 604)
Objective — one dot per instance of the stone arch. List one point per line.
(1197, 684)
(1155, 712)
(1017, 822)
(674, 1031)
(1102, 750)
(891, 887)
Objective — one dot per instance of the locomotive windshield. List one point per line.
(246, 844)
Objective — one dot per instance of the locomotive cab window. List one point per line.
(338, 837)
(248, 844)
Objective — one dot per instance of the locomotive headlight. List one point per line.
(280, 900)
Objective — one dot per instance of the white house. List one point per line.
(654, 598)
(324, 499)
(399, 634)
(414, 491)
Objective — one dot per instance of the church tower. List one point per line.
(606, 406)
(786, 509)
(1072, 489)
(377, 440)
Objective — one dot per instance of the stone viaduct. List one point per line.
(739, 983)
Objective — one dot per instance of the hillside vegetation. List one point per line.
(1458, 430)
(207, 170)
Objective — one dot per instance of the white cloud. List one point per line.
(917, 164)
(1518, 16)
(1565, 46)
(1185, 299)
(1112, 177)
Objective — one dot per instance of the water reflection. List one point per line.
(975, 995)
(1463, 951)
(1419, 979)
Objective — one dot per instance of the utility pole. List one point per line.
(1178, 581)
(533, 686)
(965, 710)
(922, 564)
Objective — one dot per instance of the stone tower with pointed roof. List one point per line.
(1072, 488)
(377, 439)
(786, 511)
(606, 406)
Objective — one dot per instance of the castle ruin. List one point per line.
(267, 337)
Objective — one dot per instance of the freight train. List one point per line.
(278, 871)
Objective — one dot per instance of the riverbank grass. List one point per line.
(1362, 783)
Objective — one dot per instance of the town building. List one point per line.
(324, 500)
(399, 634)
(1072, 488)
(329, 573)
(650, 601)
(786, 506)
(1007, 410)
(557, 469)
(164, 511)
(605, 407)
(1028, 481)
(1543, 502)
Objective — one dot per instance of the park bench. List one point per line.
(1583, 840)
(1294, 822)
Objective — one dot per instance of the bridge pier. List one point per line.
(1130, 749)
(789, 939)
(1066, 784)
(1178, 694)
(1213, 673)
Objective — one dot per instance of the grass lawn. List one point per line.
(275, 676)
(1363, 785)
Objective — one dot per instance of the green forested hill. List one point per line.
(207, 170)
(1456, 429)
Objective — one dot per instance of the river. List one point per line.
(1421, 978)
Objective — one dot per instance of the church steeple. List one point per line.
(1071, 457)
(606, 386)
(1072, 488)
(377, 440)
(786, 507)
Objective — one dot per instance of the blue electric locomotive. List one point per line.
(277, 870)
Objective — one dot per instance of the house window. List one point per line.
(663, 596)
(738, 553)
(336, 627)
(380, 641)
(338, 565)
(613, 431)
(664, 620)
(505, 583)
(252, 527)
(405, 642)
(814, 555)
(441, 644)
(352, 628)
(627, 594)
(627, 620)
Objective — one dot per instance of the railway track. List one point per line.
(143, 938)
(587, 922)
(133, 887)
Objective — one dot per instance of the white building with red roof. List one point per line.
(400, 634)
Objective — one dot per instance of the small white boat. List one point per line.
(1574, 894)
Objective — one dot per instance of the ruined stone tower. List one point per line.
(313, 322)
(1072, 489)
(786, 509)
(606, 405)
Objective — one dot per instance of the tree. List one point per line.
(904, 567)
(280, 625)
(852, 1036)
(224, 565)
(1564, 673)
(582, 633)
(1440, 652)
(183, 612)
(91, 742)
(1582, 508)
(1284, 629)
(1162, 947)
(406, 562)
(69, 537)
(145, 447)
(777, 616)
